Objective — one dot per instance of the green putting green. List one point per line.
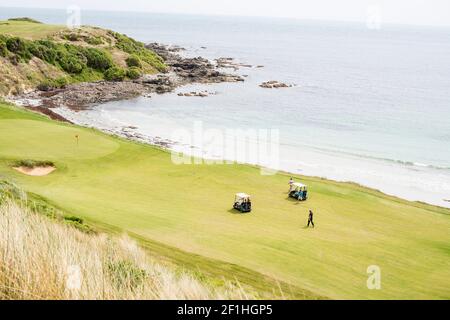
(136, 188)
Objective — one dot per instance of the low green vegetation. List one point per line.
(138, 51)
(79, 55)
(69, 58)
(33, 163)
(36, 203)
(182, 213)
(25, 19)
(49, 84)
(134, 61)
(115, 74)
(134, 73)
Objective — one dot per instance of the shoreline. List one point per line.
(338, 216)
(131, 133)
(68, 104)
(182, 71)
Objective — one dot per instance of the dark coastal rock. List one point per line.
(274, 85)
(160, 83)
(229, 63)
(192, 70)
(201, 94)
(82, 95)
(164, 50)
(181, 71)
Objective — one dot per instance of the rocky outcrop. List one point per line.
(275, 85)
(160, 83)
(181, 71)
(81, 95)
(192, 70)
(201, 94)
(230, 63)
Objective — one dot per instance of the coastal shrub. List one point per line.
(115, 74)
(16, 44)
(74, 219)
(19, 47)
(126, 273)
(44, 51)
(71, 59)
(127, 44)
(14, 59)
(3, 48)
(49, 84)
(60, 82)
(134, 73)
(152, 59)
(95, 41)
(134, 61)
(98, 59)
(45, 85)
(25, 19)
(82, 63)
(87, 75)
(78, 223)
(138, 49)
(72, 37)
(71, 64)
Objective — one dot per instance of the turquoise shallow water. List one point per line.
(370, 106)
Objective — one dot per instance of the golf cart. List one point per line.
(299, 191)
(242, 202)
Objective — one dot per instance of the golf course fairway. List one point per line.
(124, 186)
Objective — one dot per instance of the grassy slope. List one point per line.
(28, 30)
(19, 77)
(127, 186)
(34, 265)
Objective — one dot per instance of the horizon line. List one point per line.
(237, 15)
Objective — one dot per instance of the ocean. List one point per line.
(368, 106)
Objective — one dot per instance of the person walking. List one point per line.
(310, 219)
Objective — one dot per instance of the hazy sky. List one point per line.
(423, 12)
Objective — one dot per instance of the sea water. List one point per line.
(368, 106)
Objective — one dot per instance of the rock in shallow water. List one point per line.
(274, 85)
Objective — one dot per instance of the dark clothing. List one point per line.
(310, 219)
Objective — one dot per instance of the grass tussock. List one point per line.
(43, 259)
(33, 163)
(25, 19)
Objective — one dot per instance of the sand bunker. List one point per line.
(38, 171)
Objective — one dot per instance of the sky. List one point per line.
(414, 12)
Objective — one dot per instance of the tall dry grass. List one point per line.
(44, 259)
